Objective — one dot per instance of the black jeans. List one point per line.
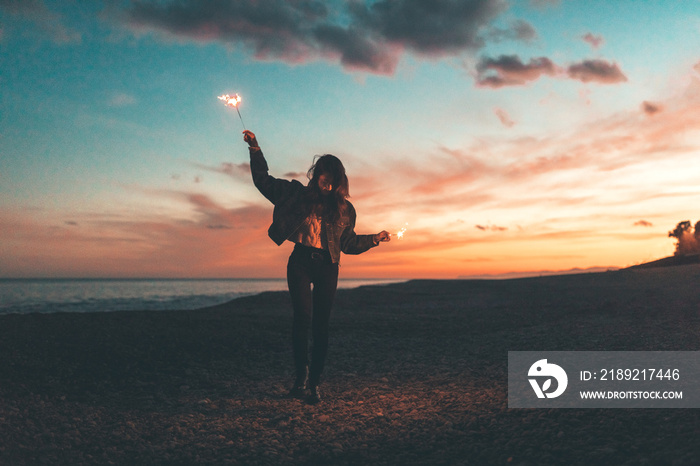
(312, 309)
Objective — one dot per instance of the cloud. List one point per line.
(206, 240)
(298, 175)
(544, 3)
(212, 214)
(524, 31)
(490, 228)
(46, 20)
(509, 70)
(577, 168)
(355, 51)
(271, 28)
(519, 30)
(23, 7)
(236, 171)
(596, 70)
(434, 28)
(643, 223)
(504, 117)
(651, 108)
(443, 172)
(122, 100)
(595, 41)
(518, 180)
(366, 36)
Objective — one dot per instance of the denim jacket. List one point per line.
(290, 212)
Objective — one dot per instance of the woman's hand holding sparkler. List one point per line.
(382, 236)
(249, 137)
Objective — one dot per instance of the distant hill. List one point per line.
(537, 273)
(669, 262)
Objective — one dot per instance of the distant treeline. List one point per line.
(687, 237)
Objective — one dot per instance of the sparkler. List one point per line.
(400, 233)
(233, 101)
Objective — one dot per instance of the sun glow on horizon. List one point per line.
(548, 146)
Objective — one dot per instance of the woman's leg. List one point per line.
(325, 286)
(299, 283)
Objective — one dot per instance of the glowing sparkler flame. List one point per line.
(400, 233)
(231, 100)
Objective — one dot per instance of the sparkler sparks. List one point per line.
(400, 233)
(233, 101)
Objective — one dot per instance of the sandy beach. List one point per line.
(416, 374)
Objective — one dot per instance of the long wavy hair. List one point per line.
(334, 204)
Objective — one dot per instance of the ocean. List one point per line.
(25, 296)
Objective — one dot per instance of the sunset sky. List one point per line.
(511, 136)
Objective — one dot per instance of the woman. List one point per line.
(320, 221)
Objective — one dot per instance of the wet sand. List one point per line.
(416, 374)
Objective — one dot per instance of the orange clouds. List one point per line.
(234, 170)
(218, 242)
(571, 199)
(651, 108)
(487, 206)
(595, 41)
(504, 117)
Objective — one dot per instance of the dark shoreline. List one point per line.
(416, 375)
(38, 295)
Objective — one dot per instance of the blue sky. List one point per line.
(510, 136)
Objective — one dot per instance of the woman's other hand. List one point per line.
(383, 236)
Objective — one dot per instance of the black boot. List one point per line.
(315, 396)
(299, 387)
